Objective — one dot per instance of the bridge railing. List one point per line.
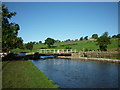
(57, 50)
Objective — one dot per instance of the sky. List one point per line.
(64, 20)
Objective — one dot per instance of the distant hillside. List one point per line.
(78, 45)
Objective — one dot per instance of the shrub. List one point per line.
(68, 48)
(86, 49)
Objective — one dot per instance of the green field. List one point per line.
(78, 45)
(23, 74)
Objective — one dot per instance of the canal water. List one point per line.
(80, 73)
(20, 53)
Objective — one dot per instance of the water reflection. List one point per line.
(20, 53)
(46, 57)
(80, 73)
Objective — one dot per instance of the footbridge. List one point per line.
(61, 52)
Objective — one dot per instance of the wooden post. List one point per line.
(40, 51)
(45, 50)
(58, 51)
(83, 52)
(75, 51)
(67, 51)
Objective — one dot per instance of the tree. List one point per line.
(68, 40)
(103, 41)
(76, 39)
(95, 36)
(105, 34)
(109, 37)
(68, 47)
(33, 42)
(29, 45)
(114, 36)
(81, 38)
(118, 36)
(57, 40)
(49, 42)
(86, 38)
(40, 41)
(9, 31)
(19, 43)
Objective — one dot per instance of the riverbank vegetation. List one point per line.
(23, 74)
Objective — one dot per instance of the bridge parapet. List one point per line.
(57, 50)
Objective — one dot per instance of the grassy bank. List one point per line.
(23, 74)
(78, 45)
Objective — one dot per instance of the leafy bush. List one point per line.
(86, 49)
(36, 56)
(68, 48)
(49, 42)
(83, 55)
(29, 45)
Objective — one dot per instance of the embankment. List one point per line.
(93, 59)
(23, 74)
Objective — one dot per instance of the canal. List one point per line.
(80, 73)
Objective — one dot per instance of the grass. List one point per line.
(90, 45)
(114, 44)
(23, 74)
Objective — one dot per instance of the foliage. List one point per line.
(40, 41)
(83, 55)
(76, 39)
(19, 43)
(68, 48)
(9, 31)
(57, 41)
(29, 45)
(114, 36)
(105, 34)
(103, 41)
(118, 36)
(49, 41)
(34, 42)
(86, 49)
(86, 38)
(95, 36)
(36, 56)
(109, 37)
(81, 38)
(68, 40)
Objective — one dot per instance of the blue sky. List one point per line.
(64, 20)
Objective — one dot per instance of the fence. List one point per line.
(57, 50)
